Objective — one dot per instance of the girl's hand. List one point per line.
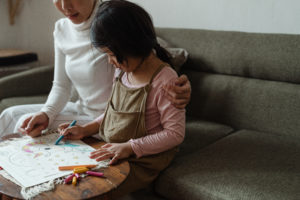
(116, 151)
(179, 93)
(34, 124)
(71, 133)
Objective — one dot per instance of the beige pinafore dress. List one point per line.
(124, 119)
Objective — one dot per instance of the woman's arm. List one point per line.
(61, 88)
(179, 93)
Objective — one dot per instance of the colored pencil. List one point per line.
(62, 136)
(71, 167)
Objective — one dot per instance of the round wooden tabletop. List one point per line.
(88, 188)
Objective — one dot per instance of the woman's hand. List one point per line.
(71, 133)
(34, 124)
(179, 93)
(116, 151)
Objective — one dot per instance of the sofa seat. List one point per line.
(244, 165)
(5, 103)
(200, 133)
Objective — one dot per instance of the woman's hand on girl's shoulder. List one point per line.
(71, 133)
(179, 92)
(115, 151)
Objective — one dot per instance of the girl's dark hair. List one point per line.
(126, 29)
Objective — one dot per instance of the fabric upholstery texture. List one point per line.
(143, 194)
(245, 103)
(199, 133)
(243, 165)
(32, 82)
(256, 55)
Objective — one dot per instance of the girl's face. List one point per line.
(77, 11)
(130, 65)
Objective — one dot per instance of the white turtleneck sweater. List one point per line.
(78, 64)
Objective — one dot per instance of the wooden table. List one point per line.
(88, 188)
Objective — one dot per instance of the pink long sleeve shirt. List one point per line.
(165, 124)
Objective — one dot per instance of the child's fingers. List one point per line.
(63, 126)
(104, 157)
(72, 133)
(70, 130)
(97, 153)
(106, 145)
(114, 160)
(72, 137)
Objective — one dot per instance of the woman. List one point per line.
(78, 65)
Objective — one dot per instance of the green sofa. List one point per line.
(242, 131)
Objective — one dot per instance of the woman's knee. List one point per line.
(11, 112)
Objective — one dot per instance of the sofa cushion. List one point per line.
(199, 133)
(31, 82)
(245, 103)
(257, 55)
(5, 103)
(244, 165)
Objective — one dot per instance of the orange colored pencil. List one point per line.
(71, 167)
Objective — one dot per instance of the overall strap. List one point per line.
(117, 79)
(157, 71)
(120, 76)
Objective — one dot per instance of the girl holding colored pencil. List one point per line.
(139, 124)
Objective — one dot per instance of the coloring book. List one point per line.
(32, 161)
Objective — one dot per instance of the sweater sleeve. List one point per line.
(173, 128)
(61, 87)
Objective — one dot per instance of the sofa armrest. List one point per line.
(31, 82)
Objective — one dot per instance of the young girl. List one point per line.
(139, 123)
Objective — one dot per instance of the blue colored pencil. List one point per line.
(62, 136)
